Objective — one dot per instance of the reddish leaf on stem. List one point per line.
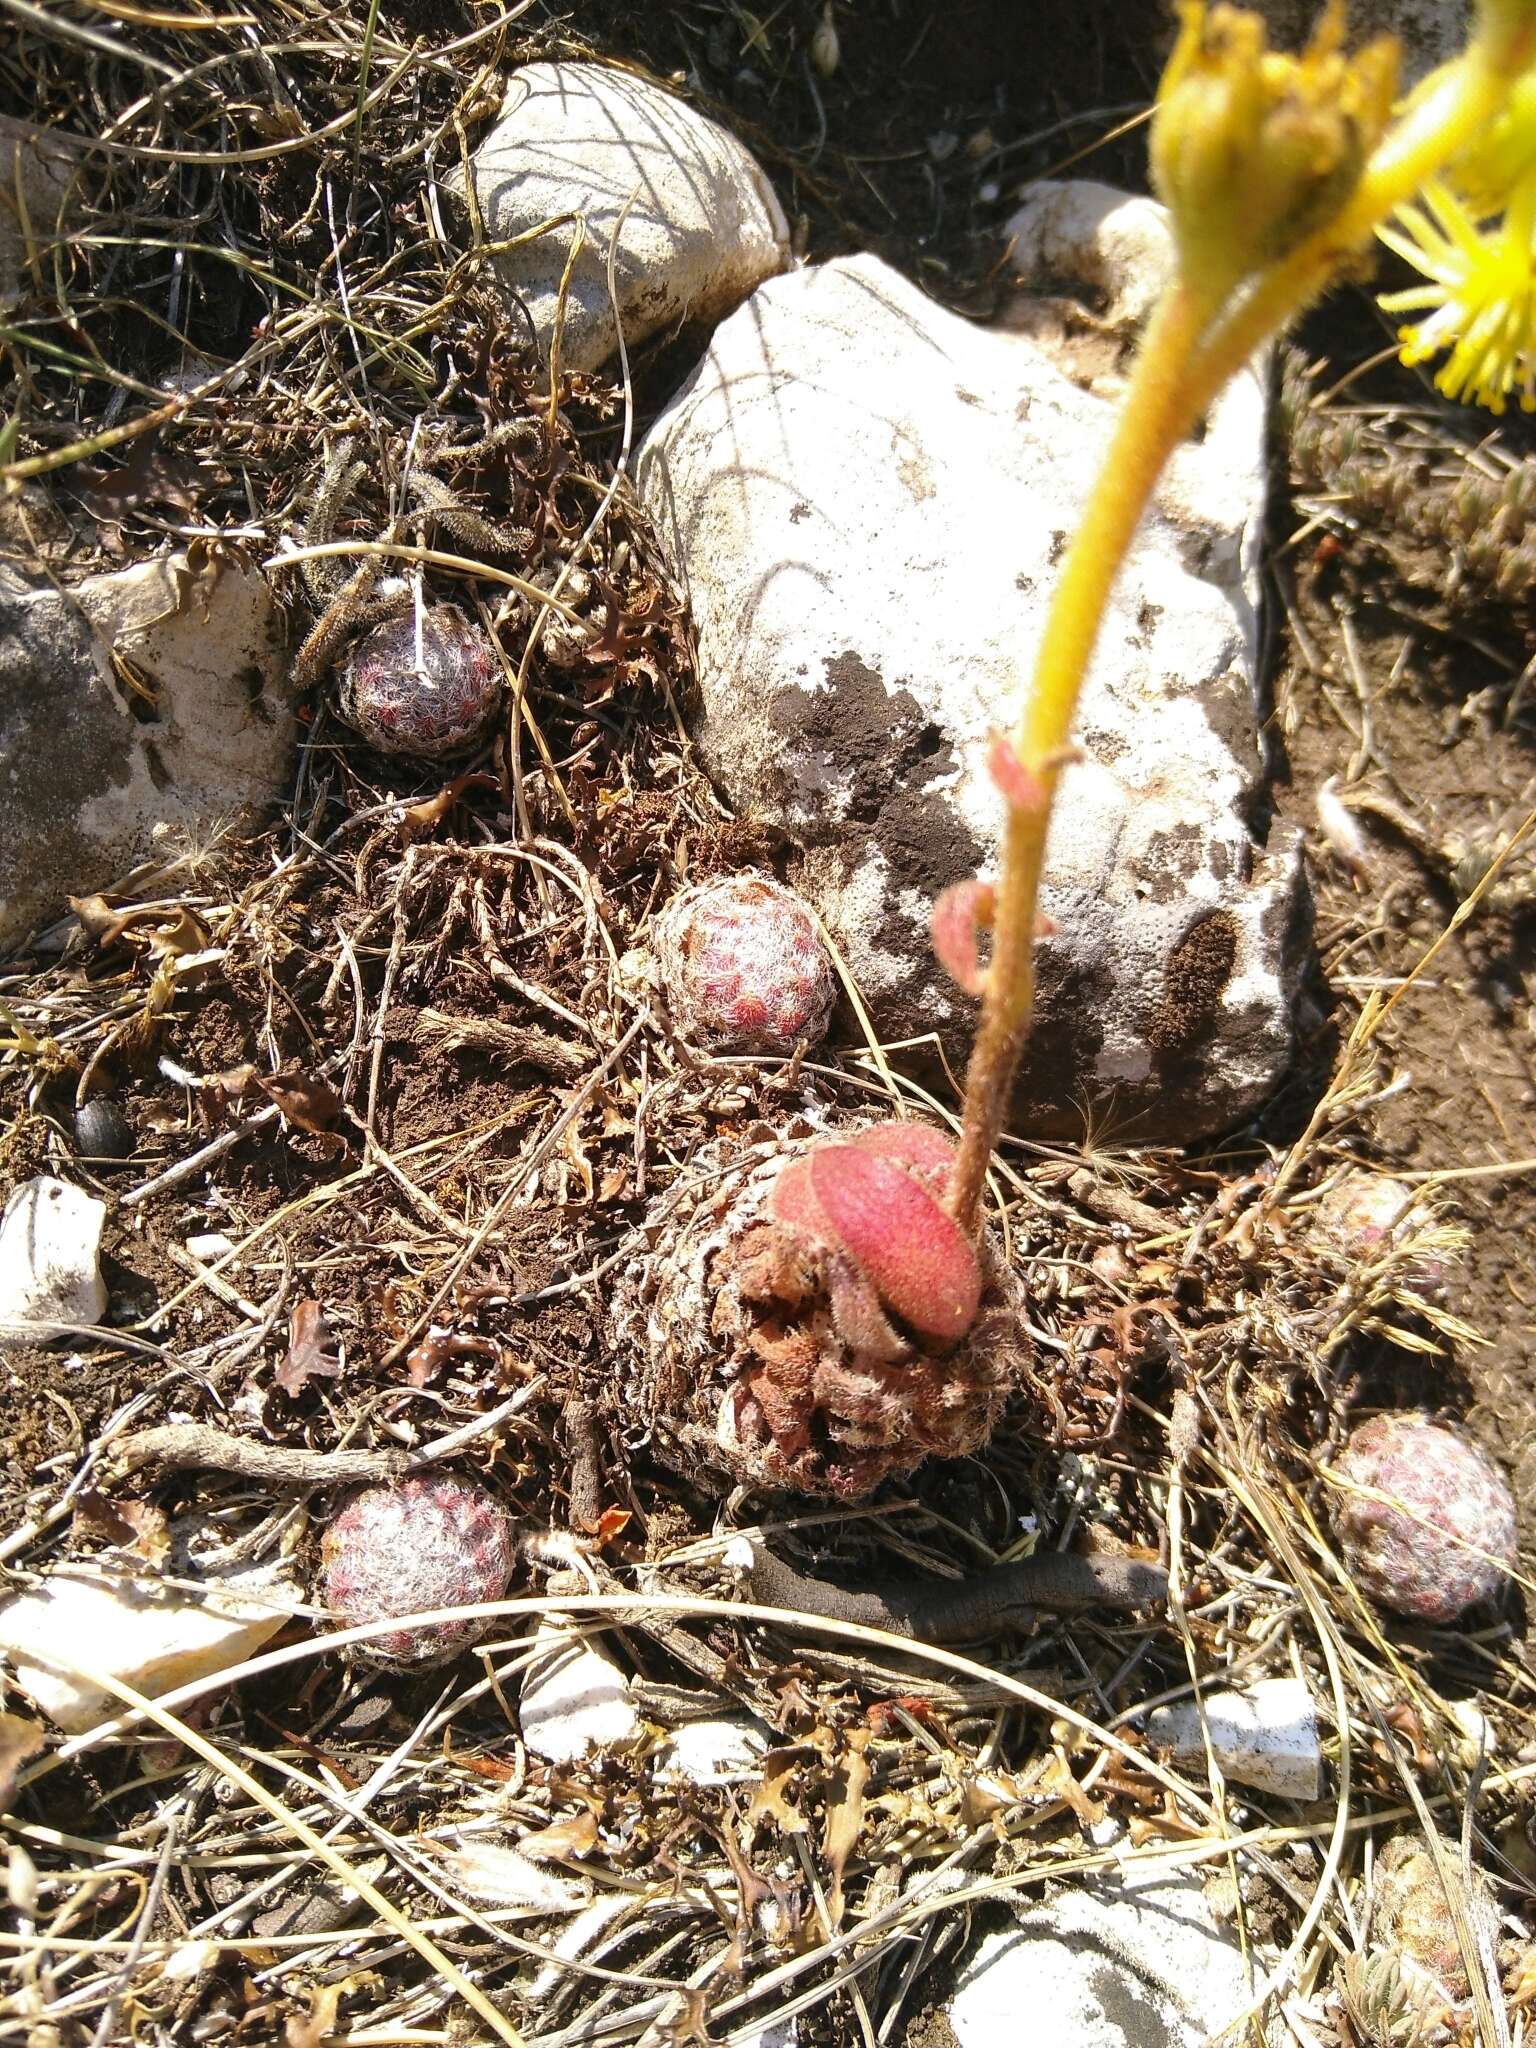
(957, 913)
(1019, 785)
(916, 1257)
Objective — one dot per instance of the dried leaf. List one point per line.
(150, 476)
(771, 1800)
(432, 810)
(562, 1838)
(1056, 1778)
(844, 1816)
(610, 1523)
(308, 1357)
(174, 941)
(134, 1525)
(95, 913)
(319, 2023)
(304, 1099)
(235, 1084)
(20, 1740)
(575, 1151)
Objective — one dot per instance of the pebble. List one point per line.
(136, 1629)
(1264, 1736)
(50, 1272)
(574, 1699)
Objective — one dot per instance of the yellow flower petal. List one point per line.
(1480, 297)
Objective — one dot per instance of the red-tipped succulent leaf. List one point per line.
(873, 1203)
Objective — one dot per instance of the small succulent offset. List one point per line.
(742, 966)
(422, 1543)
(426, 684)
(1411, 1913)
(1365, 1216)
(1424, 1519)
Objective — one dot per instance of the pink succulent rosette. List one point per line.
(426, 684)
(421, 1543)
(741, 966)
(1425, 1520)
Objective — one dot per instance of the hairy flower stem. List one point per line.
(1151, 425)
(1191, 348)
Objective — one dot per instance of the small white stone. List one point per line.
(718, 1752)
(50, 1245)
(212, 1245)
(1477, 1737)
(1120, 246)
(574, 1700)
(135, 1628)
(692, 219)
(191, 1959)
(1265, 1736)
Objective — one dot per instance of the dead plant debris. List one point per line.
(397, 1104)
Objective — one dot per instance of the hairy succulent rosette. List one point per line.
(811, 1319)
(1441, 1537)
(1411, 1916)
(427, 1542)
(1364, 1214)
(426, 684)
(741, 966)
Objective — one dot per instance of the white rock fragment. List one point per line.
(1107, 1966)
(134, 1628)
(50, 1247)
(702, 225)
(1476, 1738)
(716, 1752)
(90, 785)
(213, 1244)
(867, 499)
(1264, 1736)
(190, 1959)
(574, 1699)
(1121, 248)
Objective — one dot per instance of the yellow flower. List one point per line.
(1505, 155)
(1480, 298)
(1253, 150)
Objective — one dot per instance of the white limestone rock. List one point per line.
(135, 1628)
(574, 1699)
(1265, 1736)
(867, 499)
(1112, 1966)
(50, 1259)
(93, 778)
(704, 227)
